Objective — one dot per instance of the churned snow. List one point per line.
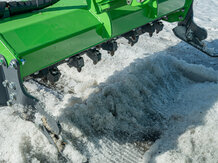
(154, 102)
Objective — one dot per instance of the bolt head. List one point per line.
(5, 83)
(9, 103)
(1, 62)
(180, 18)
(23, 61)
(129, 2)
(13, 64)
(12, 97)
(165, 17)
(12, 86)
(189, 35)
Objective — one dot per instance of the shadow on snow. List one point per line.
(132, 105)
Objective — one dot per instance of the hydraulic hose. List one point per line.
(20, 7)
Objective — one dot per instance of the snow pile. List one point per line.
(21, 140)
(130, 110)
(192, 134)
(132, 105)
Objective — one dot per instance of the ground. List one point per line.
(154, 102)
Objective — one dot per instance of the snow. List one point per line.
(154, 102)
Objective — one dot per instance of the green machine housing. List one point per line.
(33, 41)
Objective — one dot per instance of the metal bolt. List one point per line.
(12, 86)
(165, 17)
(5, 83)
(180, 18)
(36, 73)
(129, 2)
(189, 35)
(9, 102)
(13, 64)
(13, 97)
(23, 61)
(1, 61)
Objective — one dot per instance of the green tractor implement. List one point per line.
(38, 35)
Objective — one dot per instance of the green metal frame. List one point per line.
(43, 38)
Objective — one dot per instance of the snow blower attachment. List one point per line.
(38, 35)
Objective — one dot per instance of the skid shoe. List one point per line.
(194, 35)
(13, 92)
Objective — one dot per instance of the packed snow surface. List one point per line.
(154, 102)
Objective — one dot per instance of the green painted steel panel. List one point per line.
(127, 18)
(68, 27)
(166, 6)
(60, 50)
